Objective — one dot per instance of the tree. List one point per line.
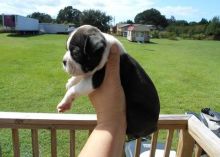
(96, 18)
(0, 20)
(171, 21)
(214, 27)
(181, 23)
(193, 23)
(42, 17)
(129, 22)
(69, 15)
(152, 17)
(203, 21)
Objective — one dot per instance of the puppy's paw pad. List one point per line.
(62, 107)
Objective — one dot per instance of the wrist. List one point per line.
(113, 118)
(114, 121)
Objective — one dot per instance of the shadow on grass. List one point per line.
(23, 35)
(149, 49)
(151, 42)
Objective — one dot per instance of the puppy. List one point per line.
(87, 53)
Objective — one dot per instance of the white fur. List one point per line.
(73, 81)
(84, 87)
(72, 67)
(81, 83)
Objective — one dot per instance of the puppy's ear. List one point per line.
(95, 44)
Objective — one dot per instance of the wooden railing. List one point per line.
(193, 135)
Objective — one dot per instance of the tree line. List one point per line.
(172, 28)
(166, 28)
(70, 15)
(203, 29)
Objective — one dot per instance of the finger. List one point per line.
(113, 64)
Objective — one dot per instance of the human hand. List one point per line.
(109, 99)
(109, 103)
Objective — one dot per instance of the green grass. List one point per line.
(185, 72)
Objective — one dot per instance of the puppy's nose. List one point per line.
(64, 62)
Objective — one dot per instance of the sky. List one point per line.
(120, 10)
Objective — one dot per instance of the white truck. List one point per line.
(20, 24)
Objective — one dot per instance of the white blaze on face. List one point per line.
(69, 39)
(68, 67)
(71, 67)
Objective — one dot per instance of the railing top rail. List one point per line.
(44, 118)
(204, 137)
(174, 119)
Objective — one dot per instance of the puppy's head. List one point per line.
(85, 48)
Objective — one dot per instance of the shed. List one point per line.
(139, 33)
(122, 29)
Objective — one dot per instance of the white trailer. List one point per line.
(20, 23)
(24, 25)
(53, 28)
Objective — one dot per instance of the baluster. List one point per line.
(72, 143)
(137, 147)
(53, 143)
(35, 145)
(168, 142)
(153, 143)
(16, 144)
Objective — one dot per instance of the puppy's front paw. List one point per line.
(63, 106)
(69, 84)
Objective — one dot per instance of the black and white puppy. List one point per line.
(87, 53)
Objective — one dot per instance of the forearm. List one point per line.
(106, 140)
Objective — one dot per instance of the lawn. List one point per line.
(186, 74)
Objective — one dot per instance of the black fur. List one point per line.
(87, 48)
(142, 100)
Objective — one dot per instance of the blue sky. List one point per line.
(122, 10)
(192, 10)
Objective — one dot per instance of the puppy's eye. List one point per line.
(75, 53)
(74, 48)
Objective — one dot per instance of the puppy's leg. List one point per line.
(84, 87)
(72, 81)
